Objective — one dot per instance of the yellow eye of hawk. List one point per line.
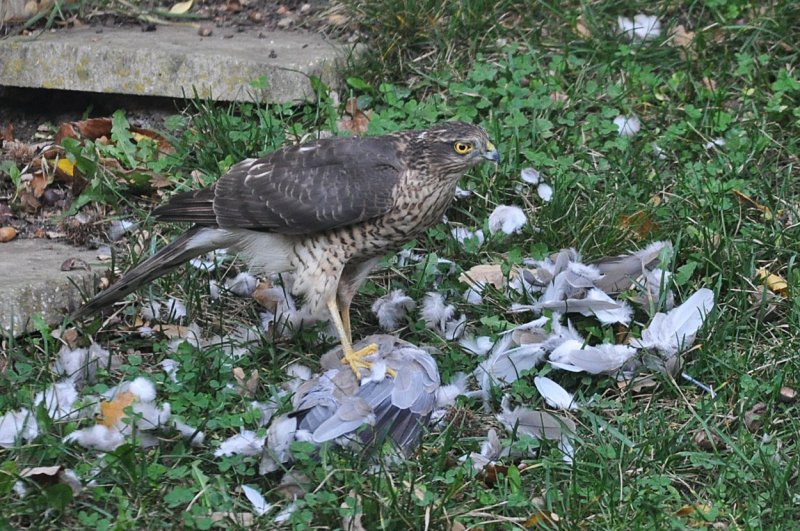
(462, 148)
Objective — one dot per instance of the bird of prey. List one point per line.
(327, 211)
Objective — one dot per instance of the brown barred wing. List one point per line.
(310, 188)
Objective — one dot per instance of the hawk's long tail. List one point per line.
(192, 243)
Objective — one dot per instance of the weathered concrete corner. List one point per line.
(173, 61)
(32, 283)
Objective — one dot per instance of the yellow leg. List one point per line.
(354, 359)
(346, 322)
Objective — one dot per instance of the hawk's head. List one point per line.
(455, 147)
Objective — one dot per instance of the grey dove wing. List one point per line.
(312, 187)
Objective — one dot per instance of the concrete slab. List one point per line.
(172, 62)
(32, 283)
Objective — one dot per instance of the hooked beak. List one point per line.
(491, 153)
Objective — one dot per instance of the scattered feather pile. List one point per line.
(507, 219)
(463, 235)
(440, 316)
(640, 28)
(627, 125)
(539, 425)
(115, 427)
(394, 400)
(533, 177)
(392, 309)
(562, 284)
(18, 426)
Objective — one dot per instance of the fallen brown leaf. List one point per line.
(710, 442)
(787, 395)
(638, 384)
(266, 296)
(246, 387)
(483, 274)
(544, 518)
(160, 181)
(639, 223)
(753, 417)
(50, 475)
(7, 234)
(173, 331)
(181, 7)
(38, 184)
(357, 122)
(752, 203)
(69, 337)
(72, 264)
(775, 283)
(490, 472)
(337, 19)
(681, 37)
(112, 411)
(699, 509)
(240, 519)
(28, 203)
(7, 132)
(352, 522)
(581, 28)
(99, 130)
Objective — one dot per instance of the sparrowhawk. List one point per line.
(326, 210)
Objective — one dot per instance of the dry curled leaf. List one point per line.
(50, 475)
(173, 331)
(547, 519)
(38, 184)
(7, 234)
(241, 519)
(484, 274)
(775, 283)
(681, 37)
(787, 395)
(753, 417)
(265, 295)
(581, 28)
(7, 132)
(72, 263)
(357, 121)
(69, 337)
(710, 442)
(99, 130)
(698, 509)
(246, 387)
(639, 223)
(639, 384)
(112, 411)
(352, 522)
(749, 202)
(181, 7)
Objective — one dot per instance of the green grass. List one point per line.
(638, 461)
